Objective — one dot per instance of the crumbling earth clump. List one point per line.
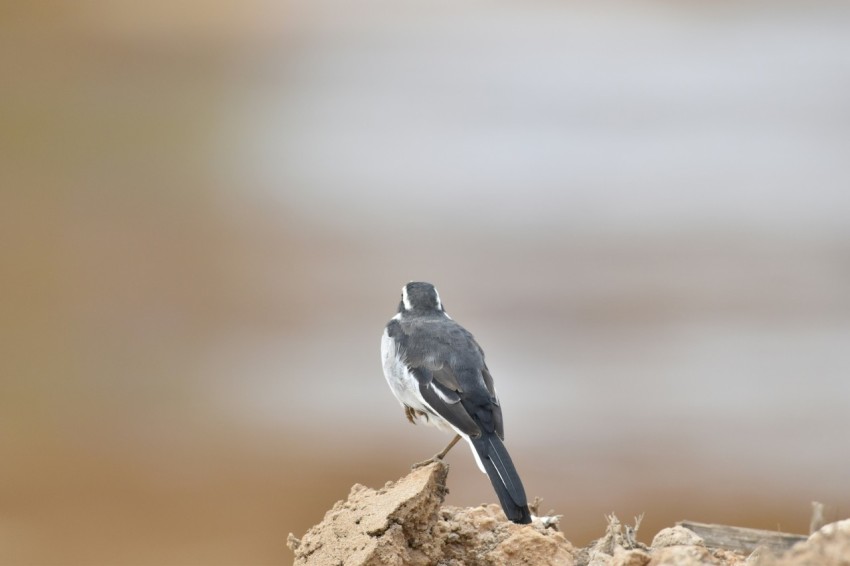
(405, 523)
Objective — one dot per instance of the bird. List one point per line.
(436, 370)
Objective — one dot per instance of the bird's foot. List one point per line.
(423, 463)
(438, 457)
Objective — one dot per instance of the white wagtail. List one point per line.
(436, 370)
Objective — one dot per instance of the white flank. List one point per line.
(406, 389)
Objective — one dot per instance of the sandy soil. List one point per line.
(405, 523)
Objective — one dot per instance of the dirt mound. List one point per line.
(405, 523)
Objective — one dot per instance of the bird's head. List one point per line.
(421, 298)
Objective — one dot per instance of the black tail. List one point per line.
(503, 476)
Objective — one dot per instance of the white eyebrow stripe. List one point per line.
(439, 302)
(405, 299)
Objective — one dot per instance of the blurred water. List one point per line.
(704, 147)
(661, 117)
(751, 390)
(640, 211)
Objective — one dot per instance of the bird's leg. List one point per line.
(445, 450)
(439, 456)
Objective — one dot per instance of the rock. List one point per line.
(828, 546)
(635, 557)
(676, 536)
(761, 556)
(373, 526)
(404, 524)
(682, 555)
(680, 547)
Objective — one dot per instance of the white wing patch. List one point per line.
(442, 395)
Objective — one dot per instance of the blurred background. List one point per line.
(641, 210)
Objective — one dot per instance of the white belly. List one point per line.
(405, 387)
